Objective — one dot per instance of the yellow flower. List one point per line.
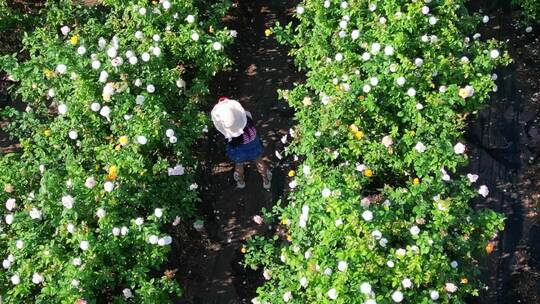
(117, 147)
(361, 98)
(267, 32)
(8, 188)
(289, 238)
(243, 250)
(48, 73)
(284, 221)
(47, 133)
(74, 39)
(211, 29)
(113, 172)
(154, 2)
(368, 173)
(292, 173)
(490, 247)
(359, 135)
(464, 281)
(123, 140)
(416, 181)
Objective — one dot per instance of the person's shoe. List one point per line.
(268, 184)
(240, 184)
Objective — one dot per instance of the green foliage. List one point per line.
(105, 165)
(531, 9)
(12, 16)
(380, 212)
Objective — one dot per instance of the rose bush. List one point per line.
(531, 9)
(380, 212)
(7, 16)
(12, 18)
(105, 166)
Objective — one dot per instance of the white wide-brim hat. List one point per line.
(229, 117)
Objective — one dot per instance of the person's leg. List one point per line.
(239, 175)
(262, 167)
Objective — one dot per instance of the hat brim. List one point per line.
(238, 112)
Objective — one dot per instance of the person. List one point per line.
(244, 145)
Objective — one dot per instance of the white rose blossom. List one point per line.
(108, 186)
(326, 192)
(127, 293)
(483, 190)
(420, 148)
(37, 278)
(367, 215)
(84, 245)
(67, 201)
(342, 266)
(303, 282)
(142, 140)
(407, 283)
(459, 148)
(287, 296)
(397, 296)
(217, 46)
(10, 204)
(35, 214)
(472, 177)
(450, 287)
(365, 288)
(65, 30)
(333, 294)
(6, 264)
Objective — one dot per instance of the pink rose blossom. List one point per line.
(258, 219)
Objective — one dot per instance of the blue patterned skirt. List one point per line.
(245, 152)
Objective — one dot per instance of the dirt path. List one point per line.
(505, 140)
(210, 269)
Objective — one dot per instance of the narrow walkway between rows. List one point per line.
(211, 270)
(503, 152)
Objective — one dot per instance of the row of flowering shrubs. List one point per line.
(380, 207)
(531, 9)
(105, 168)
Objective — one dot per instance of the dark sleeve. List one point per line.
(249, 123)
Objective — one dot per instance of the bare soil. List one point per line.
(505, 138)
